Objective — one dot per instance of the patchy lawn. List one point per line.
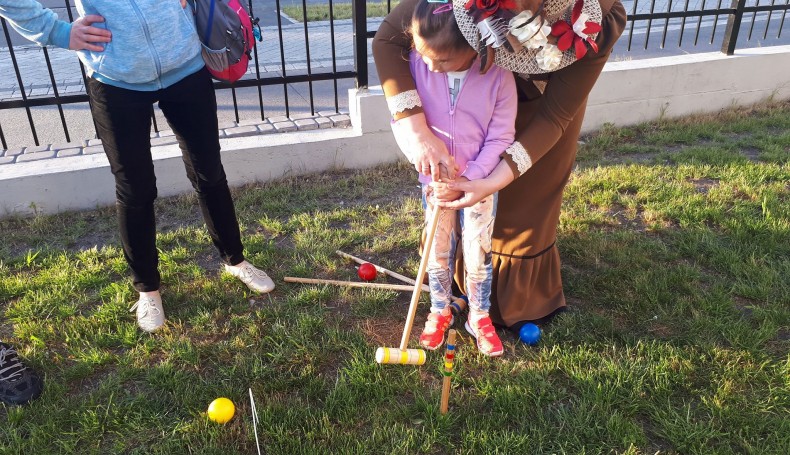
(675, 239)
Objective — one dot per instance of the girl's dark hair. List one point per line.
(439, 30)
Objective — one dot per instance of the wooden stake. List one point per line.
(449, 356)
(353, 284)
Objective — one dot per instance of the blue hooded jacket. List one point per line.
(154, 43)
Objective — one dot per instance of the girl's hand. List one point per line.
(84, 35)
(476, 190)
(444, 193)
(427, 151)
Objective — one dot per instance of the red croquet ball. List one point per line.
(367, 271)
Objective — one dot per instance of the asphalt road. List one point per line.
(265, 10)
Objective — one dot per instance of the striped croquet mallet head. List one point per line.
(395, 356)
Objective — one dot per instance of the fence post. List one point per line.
(359, 19)
(733, 27)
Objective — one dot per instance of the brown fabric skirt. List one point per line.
(527, 284)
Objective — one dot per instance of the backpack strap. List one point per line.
(211, 7)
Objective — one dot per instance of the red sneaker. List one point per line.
(433, 334)
(487, 340)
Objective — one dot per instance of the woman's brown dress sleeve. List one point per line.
(567, 90)
(391, 47)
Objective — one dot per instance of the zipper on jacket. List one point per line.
(141, 17)
(452, 108)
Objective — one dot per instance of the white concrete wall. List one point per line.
(627, 92)
(637, 91)
(85, 182)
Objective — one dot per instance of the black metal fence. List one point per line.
(712, 20)
(303, 67)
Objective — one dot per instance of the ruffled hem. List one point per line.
(526, 289)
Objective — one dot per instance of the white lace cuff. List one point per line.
(520, 156)
(404, 100)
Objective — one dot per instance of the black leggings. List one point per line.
(123, 123)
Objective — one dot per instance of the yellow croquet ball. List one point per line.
(221, 410)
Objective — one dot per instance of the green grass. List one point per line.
(316, 12)
(675, 240)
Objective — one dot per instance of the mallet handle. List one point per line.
(353, 284)
(415, 296)
(381, 269)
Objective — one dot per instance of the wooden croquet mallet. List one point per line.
(403, 356)
(447, 371)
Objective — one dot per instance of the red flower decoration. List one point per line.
(481, 9)
(567, 36)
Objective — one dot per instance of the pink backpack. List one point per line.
(227, 32)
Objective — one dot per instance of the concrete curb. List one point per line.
(85, 181)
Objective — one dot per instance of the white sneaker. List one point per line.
(255, 279)
(150, 315)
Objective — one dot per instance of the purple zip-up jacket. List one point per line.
(480, 126)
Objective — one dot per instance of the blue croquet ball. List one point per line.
(529, 334)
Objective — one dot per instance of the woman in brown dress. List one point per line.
(563, 50)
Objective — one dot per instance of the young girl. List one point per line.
(474, 115)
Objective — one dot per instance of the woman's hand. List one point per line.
(443, 192)
(84, 34)
(475, 190)
(427, 151)
(470, 192)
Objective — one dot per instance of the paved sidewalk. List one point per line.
(228, 130)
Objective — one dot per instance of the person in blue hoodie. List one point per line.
(137, 53)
